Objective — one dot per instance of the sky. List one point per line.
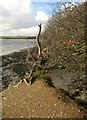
(20, 17)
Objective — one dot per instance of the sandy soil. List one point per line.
(38, 101)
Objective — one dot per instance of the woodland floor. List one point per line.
(38, 101)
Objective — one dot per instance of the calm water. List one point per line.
(11, 45)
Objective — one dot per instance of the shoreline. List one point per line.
(12, 66)
(15, 51)
(15, 45)
(18, 37)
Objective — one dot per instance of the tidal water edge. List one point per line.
(12, 45)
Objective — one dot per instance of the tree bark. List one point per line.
(38, 42)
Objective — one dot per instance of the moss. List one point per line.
(40, 74)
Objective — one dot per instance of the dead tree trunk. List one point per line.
(37, 63)
(38, 42)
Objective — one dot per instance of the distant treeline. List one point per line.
(18, 37)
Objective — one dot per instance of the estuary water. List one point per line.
(12, 45)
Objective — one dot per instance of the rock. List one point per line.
(78, 90)
(13, 66)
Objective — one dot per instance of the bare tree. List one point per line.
(37, 63)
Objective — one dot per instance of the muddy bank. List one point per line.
(14, 66)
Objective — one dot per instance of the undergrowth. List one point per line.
(41, 74)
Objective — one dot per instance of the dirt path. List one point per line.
(38, 101)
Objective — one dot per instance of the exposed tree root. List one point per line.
(22, 80)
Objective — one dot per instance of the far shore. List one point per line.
(18, 37)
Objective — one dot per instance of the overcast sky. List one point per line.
(20, 17)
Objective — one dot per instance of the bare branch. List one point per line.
(72, 5)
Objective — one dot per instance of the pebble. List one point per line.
(3, 98)
(33, 110)
(14, 103)
(22, 106)
(22, 116)
(54, 104)
(50, 109)
(79, 111)
(53, 114)
(65, 113)
(54, 111)
(61, 113)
